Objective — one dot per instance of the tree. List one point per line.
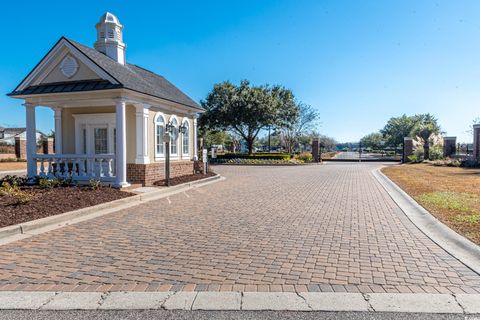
(246, 110)
(426, 127)
(306, 119)
(474, 122)
(326, 142)
(373, 141)
(211, 137)
(397, 128)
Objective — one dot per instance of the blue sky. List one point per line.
(358, 62)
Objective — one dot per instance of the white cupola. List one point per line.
(110, 38)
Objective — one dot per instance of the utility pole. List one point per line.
(269, 149)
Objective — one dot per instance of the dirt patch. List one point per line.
(185, 179)
(49, 202)
(451, 194)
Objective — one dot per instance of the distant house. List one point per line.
(7, 135)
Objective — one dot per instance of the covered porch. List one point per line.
(90, 137)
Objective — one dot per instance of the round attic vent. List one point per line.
(69, 66)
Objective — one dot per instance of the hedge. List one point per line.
(260, 156)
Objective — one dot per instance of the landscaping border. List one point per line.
(27, 229)
(455, 244)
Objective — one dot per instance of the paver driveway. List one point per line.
(316, 228)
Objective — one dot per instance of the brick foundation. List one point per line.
(148, 174)
(198, 166)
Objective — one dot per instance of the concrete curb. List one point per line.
(26, 229)
(236, 301)
(459, 247)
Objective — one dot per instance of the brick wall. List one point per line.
(148, 174)
(20, 148)
(47, 145)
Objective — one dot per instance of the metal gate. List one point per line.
(359, 156)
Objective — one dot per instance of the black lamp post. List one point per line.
(169, 130)
(166, 137)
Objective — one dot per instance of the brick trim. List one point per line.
(148, 174)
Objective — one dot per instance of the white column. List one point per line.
(58, 130)
(31, 140)
(195, 144)
(141, 118)
(121, 156)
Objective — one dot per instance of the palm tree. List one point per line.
(425, 129)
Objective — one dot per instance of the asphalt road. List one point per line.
(222, 315)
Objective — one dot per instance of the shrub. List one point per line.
(258, 161)
(14, 180)
(94, 184)
(419, 154)
(12, 160)
(470, 164)
(13, 191)
(67, 182)
(304, 156)
(24, 196)
(6, 189)
(447, 163)
(436, 153)
(415, 158)
(46, 183)
(263, 156)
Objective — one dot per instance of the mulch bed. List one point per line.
(49, 202)
(184, 179)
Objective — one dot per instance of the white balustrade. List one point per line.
(77, 166)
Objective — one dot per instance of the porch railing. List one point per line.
(76, 166)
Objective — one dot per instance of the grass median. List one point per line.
(451, 194)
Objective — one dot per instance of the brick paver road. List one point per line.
(316, 228)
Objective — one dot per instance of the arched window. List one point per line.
(174, 136)
(159, 132)
(186, 139)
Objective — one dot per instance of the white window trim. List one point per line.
(186, 155)
(158, 156)
(88, 122)
(174, 156)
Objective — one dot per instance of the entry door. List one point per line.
(100, 139)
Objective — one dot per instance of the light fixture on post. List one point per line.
(169, 127)
(182, 128)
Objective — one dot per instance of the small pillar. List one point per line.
(449, 146)
(476, 141)
(21, 148)
(316, 149)
(47, 145)
(407, 149)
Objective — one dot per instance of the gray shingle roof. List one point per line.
(13, 130)
(131, 77)
(68, 86)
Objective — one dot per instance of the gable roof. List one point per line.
(128, 76)
(13, 130)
